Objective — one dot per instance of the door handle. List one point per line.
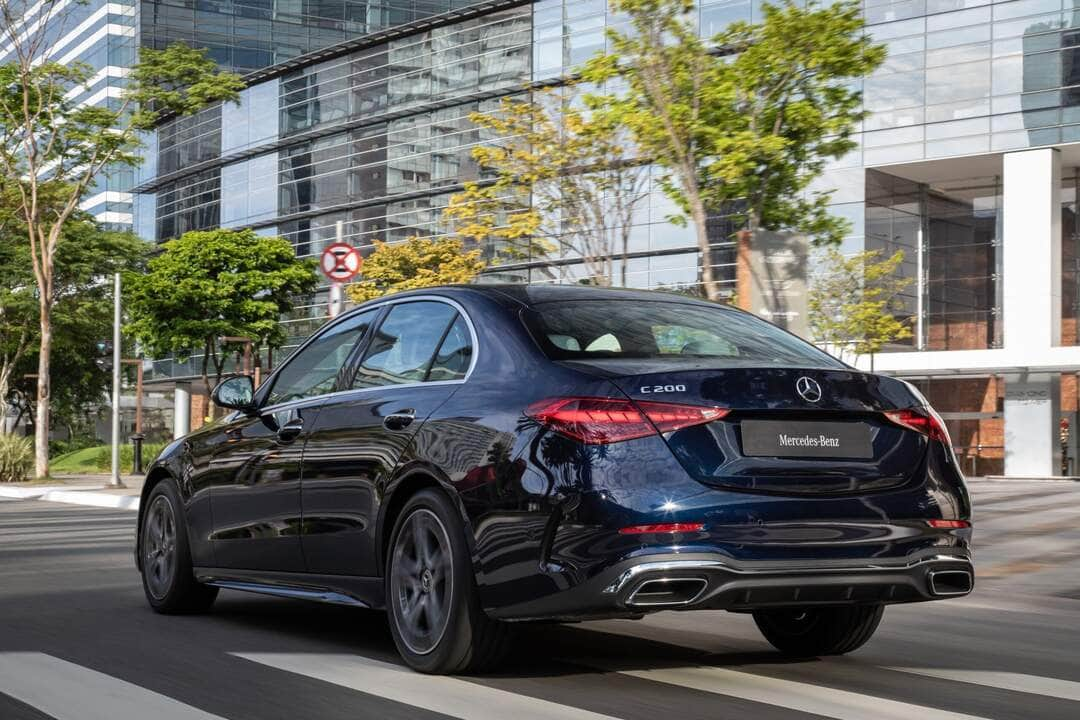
(399, 420)
(290, 430)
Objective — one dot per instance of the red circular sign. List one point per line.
(340, 262)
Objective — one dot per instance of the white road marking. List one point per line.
(444, 695)
(801, 697)
(1033, 684)
(67, 691)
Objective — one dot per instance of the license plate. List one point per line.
(774, 438)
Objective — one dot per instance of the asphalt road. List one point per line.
(77, 642)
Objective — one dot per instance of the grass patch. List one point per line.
(79, 462)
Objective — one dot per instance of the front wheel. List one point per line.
(165, 556)
(435, 617)
(808, 632)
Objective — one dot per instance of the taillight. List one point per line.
(923, 420)
(598, 421)
(662, 528)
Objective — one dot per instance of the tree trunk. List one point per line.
(4, 387)
(708, 277)
(41, 424)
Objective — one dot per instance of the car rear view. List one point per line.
(732, 465)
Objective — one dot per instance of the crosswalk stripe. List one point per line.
(67, 691)
(1018, 682)
(801, 697)
(444, 695)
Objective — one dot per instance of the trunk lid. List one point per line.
(790, 431)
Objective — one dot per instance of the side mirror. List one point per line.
(235, 393)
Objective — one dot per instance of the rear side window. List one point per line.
(455, 354)
(403, 348)
(587, 329)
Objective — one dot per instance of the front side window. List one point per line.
(314, 369)
(403, 348)
(623, 329)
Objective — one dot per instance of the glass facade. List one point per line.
(249, 35)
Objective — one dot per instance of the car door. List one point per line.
(255, 500)
(415, 360)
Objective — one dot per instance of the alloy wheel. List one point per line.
(421, 581)
(159, 547)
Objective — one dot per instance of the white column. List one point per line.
(1032, 409)
(1031, 307)
(181, 410)
(1031, 248)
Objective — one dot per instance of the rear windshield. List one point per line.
(625, 329)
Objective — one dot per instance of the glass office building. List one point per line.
(968, 162)
(102, 37)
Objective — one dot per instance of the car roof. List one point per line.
(529, 295)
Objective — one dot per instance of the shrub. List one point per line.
(127, 456)
(16, 458)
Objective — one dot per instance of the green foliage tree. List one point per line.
(59, 149)
(82, 314)
(853, 302)
(745, 121)
(415, 263)
(211, 284)
(564, 178)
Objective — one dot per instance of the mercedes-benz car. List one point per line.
(472, 457)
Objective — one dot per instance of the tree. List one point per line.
(562, 174)
(853, 301)
(58, 148)
(210, 284)
(743, 123)
(82, 314)
(415, 263)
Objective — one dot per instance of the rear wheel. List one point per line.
(431, 600)
(806, 632)
(165, 557)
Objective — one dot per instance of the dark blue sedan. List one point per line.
(465, 457)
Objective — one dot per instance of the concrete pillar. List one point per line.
(1032, 412)
(1031, 250)
(181, 410)
(1031, 307)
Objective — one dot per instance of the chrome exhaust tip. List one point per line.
(667, 592)
(944, 583)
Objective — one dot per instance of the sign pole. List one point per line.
(335, 299)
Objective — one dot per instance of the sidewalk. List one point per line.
(92, 490)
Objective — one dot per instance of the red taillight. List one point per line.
(598, 421)
(948, 524)
(662, 528)
(923, 420)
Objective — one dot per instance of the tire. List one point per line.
(165, 556)
(809, 632)
(431, 598)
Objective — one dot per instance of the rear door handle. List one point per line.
(399, 420)
(290, 430)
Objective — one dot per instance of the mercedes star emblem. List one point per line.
(808, 389)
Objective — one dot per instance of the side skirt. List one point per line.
(365, 592)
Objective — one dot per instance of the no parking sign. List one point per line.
(340, 262)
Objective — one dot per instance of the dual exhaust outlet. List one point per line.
(943, 583)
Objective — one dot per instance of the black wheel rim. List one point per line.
(421, 581)
(159, 547)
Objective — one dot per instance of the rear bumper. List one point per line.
(701, 581)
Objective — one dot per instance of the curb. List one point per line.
(87, 497)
